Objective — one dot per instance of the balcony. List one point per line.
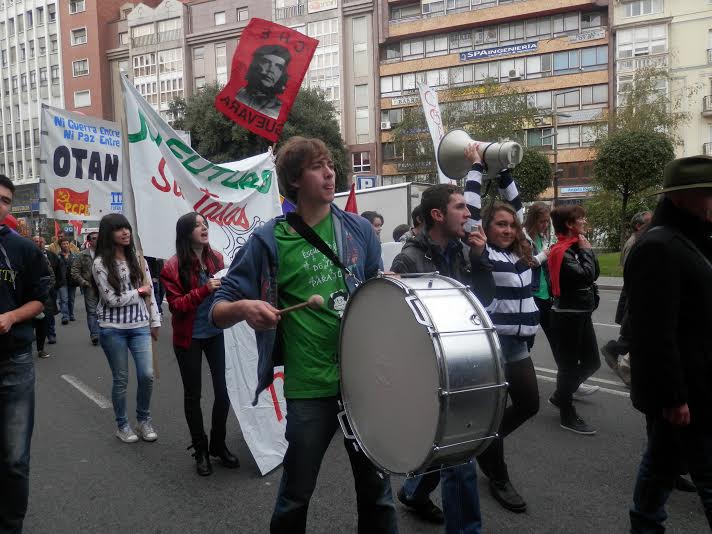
(643, 62)
(707, 149)
(288, 12)
(707, 106)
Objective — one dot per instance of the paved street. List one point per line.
(85, 480)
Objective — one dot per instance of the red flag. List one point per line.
(351, 202)
(10, 222)
(267, 71)
(71, 201)
(56, 230)
(77, 226)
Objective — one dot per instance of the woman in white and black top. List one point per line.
(126, 323)
(513, 312)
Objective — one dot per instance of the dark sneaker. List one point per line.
(571, 421)
(65, 321)
(72, 319)
(505, 494)
(51, 340)
(426, 510)
(554, 401)
(682, 484)
(43, 354)
(95, 341)
(610, 354)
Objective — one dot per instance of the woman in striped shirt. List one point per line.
(513, 312)
(126, 322)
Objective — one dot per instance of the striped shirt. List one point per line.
(513, 310)
(127, 309)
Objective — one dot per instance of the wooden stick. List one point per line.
(315, 302)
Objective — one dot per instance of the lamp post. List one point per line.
(555, 137)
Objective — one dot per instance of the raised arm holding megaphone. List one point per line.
(495, 156)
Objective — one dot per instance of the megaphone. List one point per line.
(496, 156)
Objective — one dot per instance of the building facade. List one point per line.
(555, 51)
(676, 35)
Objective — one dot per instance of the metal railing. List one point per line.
(707, 104)
(633, 64)
(289, 11)
(709, 56)
(707, 149)
(170, 35)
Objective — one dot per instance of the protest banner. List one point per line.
(80, 166)
(167, 178)
(433, 118)
(267, 71)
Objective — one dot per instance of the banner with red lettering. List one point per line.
(168, 178)
(267, 71)
(433, 117)
(80, 166)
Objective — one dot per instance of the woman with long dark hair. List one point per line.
(127, 322)
(190, 285)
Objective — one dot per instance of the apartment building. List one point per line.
(677, 35)
(555, 51)
(344, 67)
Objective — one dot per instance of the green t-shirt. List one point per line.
(310, 338)
(543, 291)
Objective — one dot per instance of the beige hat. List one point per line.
(694, 172)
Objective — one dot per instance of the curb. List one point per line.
(610, 287)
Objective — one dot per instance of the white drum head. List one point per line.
(389, 377)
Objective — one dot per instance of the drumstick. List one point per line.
(315, 302)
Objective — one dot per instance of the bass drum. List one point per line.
(422, 383)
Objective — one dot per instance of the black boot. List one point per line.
(220, 450)
(202, 459)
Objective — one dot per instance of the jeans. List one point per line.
(66, 301)
(17, 416)
(41, 330)
(311, 423)
(576, 353)
(461, 499)
(190, 362)
(90, 302)
(669, 448)
(159, 292)
(117, 343)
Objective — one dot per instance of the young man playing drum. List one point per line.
(438, 248)
(306, 340)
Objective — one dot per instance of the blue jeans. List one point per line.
(117, 343)
(461, 499)
(17, 418)
(66, 301)
(670, 451)
(311, 423)
(90, 302)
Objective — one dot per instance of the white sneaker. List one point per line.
(585, 390)
(126, 434)
(146, 432)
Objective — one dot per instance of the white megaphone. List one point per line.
(496, 156)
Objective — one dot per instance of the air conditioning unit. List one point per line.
(514, 74)
(385, 125)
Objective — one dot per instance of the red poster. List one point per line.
(267, 71)
(71, 202)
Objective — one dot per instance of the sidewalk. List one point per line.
(610, 282)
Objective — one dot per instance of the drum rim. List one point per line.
(437, 345)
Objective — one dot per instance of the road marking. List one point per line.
(99, 399)
(591, 379)
(606, 324)
(606, 390)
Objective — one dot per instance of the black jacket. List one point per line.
(24, 277)
(422, 255)
(669, 288)
(577, 277)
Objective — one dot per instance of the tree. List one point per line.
(604, 214)
(488, 112)
(218, 139)
(630, 163)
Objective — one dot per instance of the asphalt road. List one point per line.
(84, 480)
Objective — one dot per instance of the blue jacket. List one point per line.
(253, 276)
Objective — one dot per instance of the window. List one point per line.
(221, 63)
(199, 82)
(26, 135)
(4, 58)
(566, 23)
(642, 7)
(170, 61)
(393, 116)
(82, 99)
(642, 41)
(412, 49)
(594, 94)
(360, 44)
(42, 45)
(28, 19)
(20, 23)
(433, 7)
(242, 14)
(361, 161)
(144, 65)
(436, 45)
(198, 53)
(513, 32)
(51, 13)
(219, 18)
(566, 62)
(31, 45)
(593, 20)
(33, 79)
(55, 73)
(53, 45)
(40, 16)
(461, 75)
(13, 55)
(80, 67)
(124, 38)
(405, 12)
(391, 52)
(77, 6)
(539, 137)
(568, 99)
(461, 40)
(79, 36)
(362, 113)
(568, 136)
(14, 84)
(11, 27)
(170, 25)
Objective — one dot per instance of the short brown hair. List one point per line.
(561, 215)
(293, 157)
(436, 197)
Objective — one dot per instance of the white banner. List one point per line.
(167, 179)
(431, 108)
(80, 169)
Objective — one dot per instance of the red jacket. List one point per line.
(182, 304)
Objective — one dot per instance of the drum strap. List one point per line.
(306, 231)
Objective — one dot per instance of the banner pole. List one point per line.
(129, 211)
